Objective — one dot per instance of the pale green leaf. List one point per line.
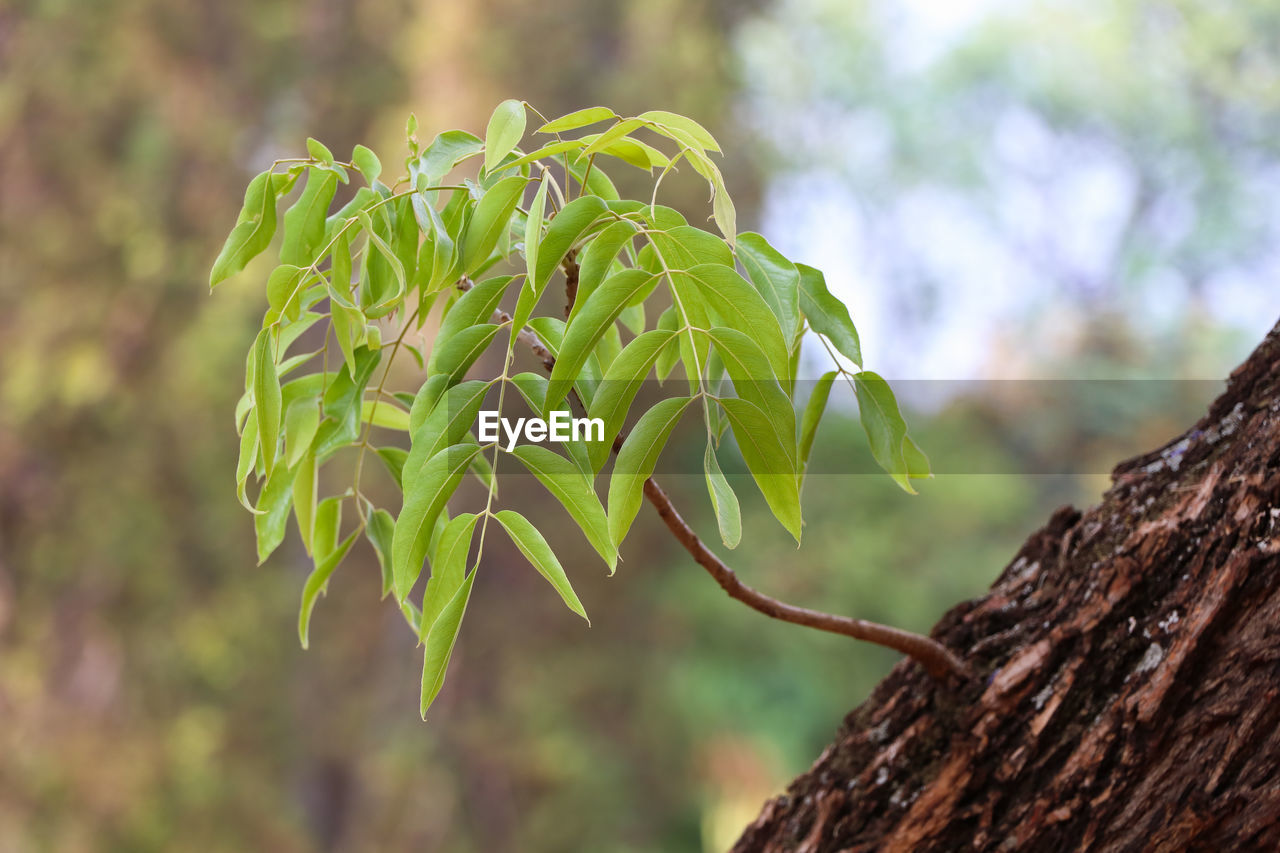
(440, 641)
(575, 492)
(687, 127)
(774, 276)
(813, 410)
(769, 459)
(827, 315)
(636, 461)
(426, 491)
(316, 583)
(539, 554)
(266, 399)
(506, 127)
(723, 500)
(577, 119)
(622, 381)
(367, 162)
(490, 221)
(304, 499)
(252, 232)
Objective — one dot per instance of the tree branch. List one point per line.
(937, 659)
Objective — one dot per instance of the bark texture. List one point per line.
(1129, 688)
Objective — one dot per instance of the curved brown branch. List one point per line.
(937, 659)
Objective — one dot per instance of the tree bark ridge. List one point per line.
(1129, 662)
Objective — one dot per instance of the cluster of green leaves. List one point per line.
(734, 314)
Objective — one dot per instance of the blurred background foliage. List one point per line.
(1026, 189)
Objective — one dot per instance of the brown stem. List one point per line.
(570, 282)
(937, 659)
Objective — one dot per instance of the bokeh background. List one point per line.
(1001, 190)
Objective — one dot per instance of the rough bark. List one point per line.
(1129, 662)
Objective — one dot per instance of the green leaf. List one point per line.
(448, 569)
(775, 277)
(252, 233)
(598, 313)
(385, 302)
(827, 315)
(318, 151)
(448, 423)
(533, 388)
(887, 431)
(741, 307)
(447, 150)
(575, 493)
(610, 135)
(394, 458)
(266, 399)
(473, 308)
(636, 460)
(328, 522)
(813, 410)
(749, 370)
(667, 121)
(272, 511)
(597, 257)
(577, 119)
(723, 500)
(316, 583)
(440, 642)
(304, 500)
(568, 226)
(248, 455)
(367, 162)
(545, 151)
(426, 491)
(770, 461)
(341, 410)
(685, 247)
(533, 238)
(301, 420)
(539, 554)
(506, 127)
(385, 414)
(304, 222)
(457, 355)
(669, 321)
(490, 221)
(630, 151)
(424, 402)
(379, 531)
(622, 381)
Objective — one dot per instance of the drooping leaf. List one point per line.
(248, 454)
(316, 583)
(448, 423)
(813, 410)
(379, 531)
(723, 500)
(448, 568)
(252, 233)
(506, 126)
(384, 301)
(775, 277)
(328, 523)
(749, 369)
(319, 151)
(741, 307)
(636, 460)
(440, 641)
(598, 313)
(769, 459)
(887, 431)
(266, 399)
(576, 494)
(827, 315)
(301, 420)
(426, 491)
(385, 414)
(304, 222)
(304, 499)
(622, 381)
(272, 511)
(539, 554)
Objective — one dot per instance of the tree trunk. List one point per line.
(1129, 673)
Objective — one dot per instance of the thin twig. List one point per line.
(937, 659)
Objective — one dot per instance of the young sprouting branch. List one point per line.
(939, 661)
